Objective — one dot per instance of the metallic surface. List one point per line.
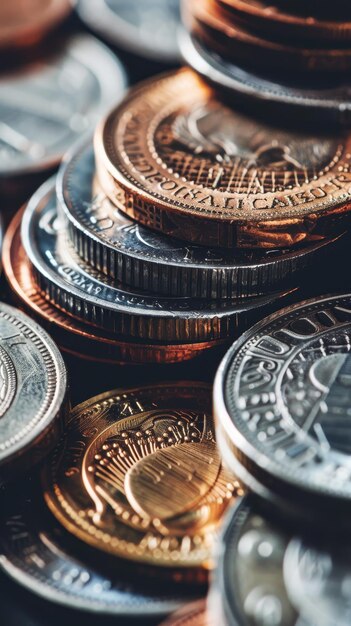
(177, 160)
(72, 285)
(46, 106)
(324, 103)
(73, 336)
(282, 406)
(194, 614)
(148, 28)
(32, 392)
(137, 475)
(134, 255)
(37, 554)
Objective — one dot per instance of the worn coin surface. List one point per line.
(148, 28)
(134, 255)
(47, 105)
(325, 102)
(74, 336)
(72, 285)
(176, 159)
(32, 392)
(138, 475)
(194, 614)
(36, 553)
(281, 401)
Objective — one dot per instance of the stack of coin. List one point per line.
(285, 57)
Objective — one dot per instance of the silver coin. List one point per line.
(130, 253)
(36, 553)
(82, 292)
(282, 401)
(32, 392)
(248, 583)
(47, 105)
(148, 28)
(328, 102)
(318, 579)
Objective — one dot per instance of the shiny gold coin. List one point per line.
(176, 159)
(194, 614)
(138, 475)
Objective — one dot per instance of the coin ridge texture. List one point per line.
(162, 158)
(133, 445)
(33, 384)
(280, 398)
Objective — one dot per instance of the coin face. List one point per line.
(194, 614)
(138, 475)
(281, 401)
(35, 553)
(24, 22)
(147, 28)
(45, 107)
(171, 154)
(32, 392)
(137, 256)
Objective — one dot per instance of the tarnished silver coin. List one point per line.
(130, 253)
(148, 28)
(75, 287)
(38, 554)
(318, 579)
(248, 587)
(282, 403)
(32, 392)
(328, 102)
(47, 105)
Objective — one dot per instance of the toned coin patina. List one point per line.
(138, 475)
(177, 160)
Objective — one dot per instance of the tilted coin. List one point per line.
(281, 400)
(148, 28)
(138, 475)
(47, 105)
(174, 158)
(237, 43)
(134, 255)
(72, 285)
(248, 587)
(23, 23)
(325, 102)
(194, 614)
(32, 392)
(36, 553)
(74, 336)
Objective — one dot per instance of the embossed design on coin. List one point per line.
(8, 381)
(148, 487)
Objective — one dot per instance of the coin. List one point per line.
(25, 22)
(325, 102)
(47, 105)
(174, 158)
(276, 22)
(147, 28)
(32, 392)
(134, 255)
(281, 401)
(194, 614)
(138, 475)
(73, 336)
(248, 582)
(238, 44)
(37, 554)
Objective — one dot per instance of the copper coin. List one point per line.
(174, 158)
(74, 337)
(278, 23)
(237, 44)
(194, 614)
(25, 22)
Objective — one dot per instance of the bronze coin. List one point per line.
(73, 336)
(194, 614)
(174, 158)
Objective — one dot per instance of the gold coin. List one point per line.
(138, 475)
(176, 159)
